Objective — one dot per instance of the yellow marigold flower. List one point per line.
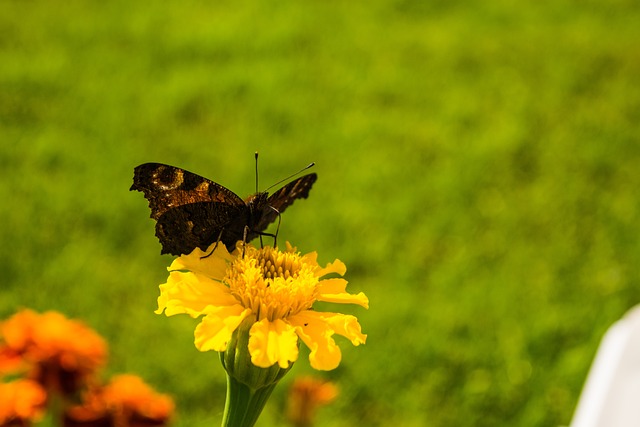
(21, 402)
(125, 402)
(59, 353)
(272, 290)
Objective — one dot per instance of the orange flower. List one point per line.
(305, 396)
(125, 402)
(22, 401)
(59, 353)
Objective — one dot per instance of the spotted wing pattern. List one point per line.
(191, 211)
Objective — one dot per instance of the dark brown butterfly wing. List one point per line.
(280, 200)
(182, 229)
(191, 211)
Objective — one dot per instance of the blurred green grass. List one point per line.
(478, 173)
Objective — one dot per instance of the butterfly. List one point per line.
(194, 212)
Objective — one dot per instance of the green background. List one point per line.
(478, 162)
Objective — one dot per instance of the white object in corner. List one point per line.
(611, 394)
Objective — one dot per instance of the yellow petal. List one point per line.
(213, 265)
(214, 332)
(336, 266)
(193, 294)
(290, 248)
(271, 342)
(359, 299)
(311, 258)
(345, 325)
(316, 333)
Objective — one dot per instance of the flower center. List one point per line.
(276, 264)
(273, 284)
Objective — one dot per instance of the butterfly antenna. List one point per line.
(256, 171)
(292, 175)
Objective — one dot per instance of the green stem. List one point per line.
(244, 404)
(248, 386)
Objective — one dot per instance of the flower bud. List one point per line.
(236, 360)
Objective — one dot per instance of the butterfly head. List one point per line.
(257, 201)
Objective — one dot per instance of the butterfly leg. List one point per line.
(214, 246)
(275, 236)
(260, 233)
(244, 239)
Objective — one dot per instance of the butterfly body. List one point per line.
(192, 211)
